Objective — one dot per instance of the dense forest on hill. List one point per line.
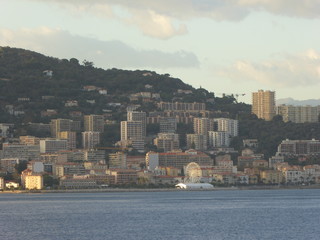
(21, 72)
(22, 76)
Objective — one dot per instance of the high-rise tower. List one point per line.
(263, 104)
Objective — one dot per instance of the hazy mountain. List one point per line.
(291, 101)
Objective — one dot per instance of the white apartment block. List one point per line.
(227, 125)
(90, 139)
(219, 139)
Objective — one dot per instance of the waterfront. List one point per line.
(254, 214)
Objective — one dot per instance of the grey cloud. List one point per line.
(286, 72)
(166, 18)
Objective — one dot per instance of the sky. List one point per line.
(224, 46)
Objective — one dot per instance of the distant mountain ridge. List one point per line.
(291, 101)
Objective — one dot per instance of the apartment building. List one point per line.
(227, 125)
(34, 181)
(168, 124)
(167, 141)
(94, 123)
(182, 106)
(90, 139)
(71, 138)
(263, 104)
(218, 139)
(177, 159)
(139, 117)
(203, 125)
(299, 114)
(197, 141)
(299, 147)
(50, 145)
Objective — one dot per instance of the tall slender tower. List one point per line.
(263, 104)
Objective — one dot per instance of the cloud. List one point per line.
(288, 72)
(158, 26)
(107, 54)
(166, 18)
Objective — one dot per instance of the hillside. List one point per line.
(27, 85)
(21, 72)
(29, 93)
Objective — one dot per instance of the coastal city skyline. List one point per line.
(232, 47)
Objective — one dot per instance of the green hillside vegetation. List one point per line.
(21, 76)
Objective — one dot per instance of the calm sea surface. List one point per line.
(252, 214)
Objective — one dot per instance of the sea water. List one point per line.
(236, 214)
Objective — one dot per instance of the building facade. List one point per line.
(298, 114)
(94, 123)
(34, 182)
(263, 104)
(197, 141)
(90, 139)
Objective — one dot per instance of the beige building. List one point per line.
(167, 141)
(271, 177)
(94, 123)
(34, 182)
(197, 141)
(29, 140)
(59, 125)
(298, 114)
(71, 138)
(2, 186)
(263, 104)
(203, 125)
(118, 160)
(123, 176)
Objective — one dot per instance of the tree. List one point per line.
(21, 166)
(87, 63)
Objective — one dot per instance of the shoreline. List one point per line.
(106, 190)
